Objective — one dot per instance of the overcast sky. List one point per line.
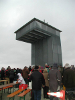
(15, 13)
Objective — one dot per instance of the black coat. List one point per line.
(11, 74)
(37, 80)
(68, 78)
(2, 74)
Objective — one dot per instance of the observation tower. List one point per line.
(45, 42)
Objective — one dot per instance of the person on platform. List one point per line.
(68, 78)
(29, 69)
(46, 87)
(40, 70)
(20, 79)
(37, 81)
(2, 74)
(54, 80)
(11, 76)
(25, 73)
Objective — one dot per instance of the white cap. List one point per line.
(67, 65)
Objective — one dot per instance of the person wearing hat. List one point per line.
(54, 80)
(37, 81)
(68, 78)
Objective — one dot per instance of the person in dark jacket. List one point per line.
(54, 80)
(7, 75)
(18, 70)
(2, 74)
(29, 68)
(37, 82)
(11, 76)
(68, 78)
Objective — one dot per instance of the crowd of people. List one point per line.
(48, 78)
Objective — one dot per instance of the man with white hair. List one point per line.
(68, 78)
